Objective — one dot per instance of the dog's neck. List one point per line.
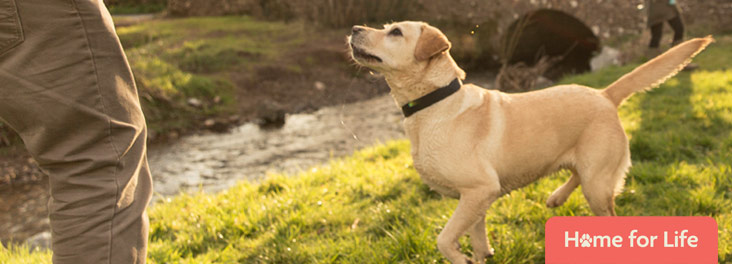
(408, 85)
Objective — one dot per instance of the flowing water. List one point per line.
(212, 162)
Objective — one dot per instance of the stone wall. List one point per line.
(712, 15)
(607, 18)
(474, 26)
(213, 7)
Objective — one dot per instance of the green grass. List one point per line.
(373, 208)
(177, 59)
(21, 254)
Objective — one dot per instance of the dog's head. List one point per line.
(397, 46)
(413, 57)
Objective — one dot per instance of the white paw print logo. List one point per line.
(585, 240)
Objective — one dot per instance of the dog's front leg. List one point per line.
(471, 208)
(479, 241)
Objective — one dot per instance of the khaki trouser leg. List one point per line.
(67, 89)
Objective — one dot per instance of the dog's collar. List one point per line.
(431, 98)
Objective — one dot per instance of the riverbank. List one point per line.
(680, 144)
(216, 73)
(205, 76)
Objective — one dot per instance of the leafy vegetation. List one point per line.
(373, 208)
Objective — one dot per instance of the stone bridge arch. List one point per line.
(550, 34)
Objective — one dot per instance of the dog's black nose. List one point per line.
(357, 29)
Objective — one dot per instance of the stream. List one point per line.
(213, 162)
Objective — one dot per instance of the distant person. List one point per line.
(67, 89)
(660, 11)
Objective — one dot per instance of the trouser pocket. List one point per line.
(11, 33)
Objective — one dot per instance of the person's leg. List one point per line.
(656, 33)
(69, 92)
(678, 26)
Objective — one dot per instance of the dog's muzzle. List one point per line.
(359, 54)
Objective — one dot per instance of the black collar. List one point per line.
(431, 98)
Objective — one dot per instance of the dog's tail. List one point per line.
(656, 71)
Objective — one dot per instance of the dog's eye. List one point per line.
(395, 32)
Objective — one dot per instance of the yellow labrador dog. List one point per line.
(476, 144)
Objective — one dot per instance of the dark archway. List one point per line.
(553, 34)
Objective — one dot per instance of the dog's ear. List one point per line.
(430, 43)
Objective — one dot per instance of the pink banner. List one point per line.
(632, 239)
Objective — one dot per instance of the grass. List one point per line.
(21, 254)
(373, 208)
(175, 60)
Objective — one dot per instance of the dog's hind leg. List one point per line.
(598, 186)
(600, 198)
(601, 170)
(601, 190)
(471, 208)
(560, 195)
(479, 241)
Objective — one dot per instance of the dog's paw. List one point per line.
(555, 200)
(481, 259)
(489, 253)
